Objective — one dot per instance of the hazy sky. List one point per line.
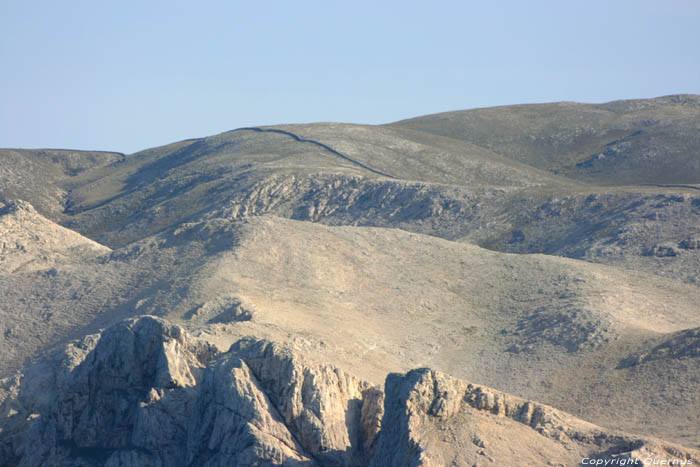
(136, 74)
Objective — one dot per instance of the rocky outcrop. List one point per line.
(663, 250)
(144, 392)
(433, 419)
(99, 404)
(29, 241)
(690, 243)
(333, 415)
(224, 308)
(680, 345)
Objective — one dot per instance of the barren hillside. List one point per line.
(546, 257)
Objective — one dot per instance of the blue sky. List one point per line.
(129, 75)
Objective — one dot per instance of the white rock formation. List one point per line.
(433, 419)
(29, 241)
(144, 392)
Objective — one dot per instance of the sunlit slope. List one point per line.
(642, 141)
(378, 300)
(167, 185)
(373, 176)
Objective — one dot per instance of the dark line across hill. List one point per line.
(317, 143)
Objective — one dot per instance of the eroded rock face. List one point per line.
(97, 401)
(335, 416)
(433, 419)
(145, 393)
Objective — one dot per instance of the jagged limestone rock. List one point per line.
(145, 392)
(432, 419)
(333, 415)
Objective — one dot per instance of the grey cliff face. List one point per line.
(145, 392)
(433, 419)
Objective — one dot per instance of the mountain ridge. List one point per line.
(518, 249)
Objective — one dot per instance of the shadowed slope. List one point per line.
(44, 177)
